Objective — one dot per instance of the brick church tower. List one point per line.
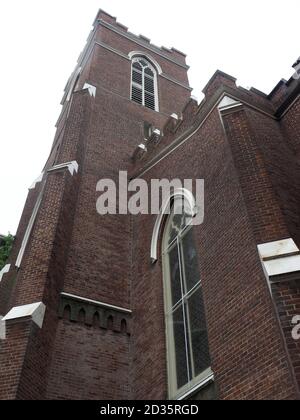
(84, 296)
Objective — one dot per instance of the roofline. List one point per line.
(218, 73)
(279, 84)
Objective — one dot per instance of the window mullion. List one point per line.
(143, 86)
(191, 354)
(183, 309)
(186, 296)
(193, 290)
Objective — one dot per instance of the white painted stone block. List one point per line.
(35, 312)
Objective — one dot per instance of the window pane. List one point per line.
(175, 276)
(137, 77)
(144, 63)
(190, 261)
(149, 85)
(177, 221)
(198, 332)
(149, 100)
(149, 72)
(137, 65)
(137, 95)
(180, 348)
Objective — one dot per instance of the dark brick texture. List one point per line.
(115, 346)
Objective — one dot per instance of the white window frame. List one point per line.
(205, 376)
(132, 83)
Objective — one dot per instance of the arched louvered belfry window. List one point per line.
(144, 83)
(187, 341)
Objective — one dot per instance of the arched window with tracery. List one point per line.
(144, 83)
(187, 341)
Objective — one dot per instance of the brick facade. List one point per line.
(103, 334)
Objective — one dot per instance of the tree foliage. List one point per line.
(5, 248)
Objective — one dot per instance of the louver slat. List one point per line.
(143, 84)
(149, 72)
(137, 66)
(137, 95)
(137, 77)
(149, 100)
(149, 85)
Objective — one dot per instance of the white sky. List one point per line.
(256, 41)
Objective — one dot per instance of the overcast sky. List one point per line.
(256, 41)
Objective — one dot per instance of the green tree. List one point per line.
(5, 248)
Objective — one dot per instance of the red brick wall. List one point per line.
(266, 218)
(249, 357)
(247, 169)
(291, 128)
(287, 298)
(72, 248)
(89, 363)
(283, 169)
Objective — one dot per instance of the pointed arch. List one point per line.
(188, 354)
(181, 192)
(81, 316)
(144, 82)
(148, 57)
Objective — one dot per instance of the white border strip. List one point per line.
(197, 387)
(95, 302)
(72, 167)
(34, 311)
(183, 138)
(137, 40)
(4, 270)
(29, 228)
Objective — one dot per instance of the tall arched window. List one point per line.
(144, 83)
(187, 342)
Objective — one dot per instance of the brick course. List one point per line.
(249, 159)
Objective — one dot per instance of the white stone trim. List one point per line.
(97, 303)
(29, 229)
(39, 179)
(126, 57)
(171, 79)
(280, 257)
(155, 137)
(228, 103)
(113, 50)
(71, 166)
(73, 81)
(185, 137)
(283, 265)
(132, 83)
(2, 328)
(156, 132)
(4, 270)
(34, 311)
(181, 192)
(92, 89)
(278, 248)
(134, 54)
(139, 152)
(137, 40)
(198, 387)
